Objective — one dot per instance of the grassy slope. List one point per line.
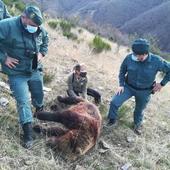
(150, 151)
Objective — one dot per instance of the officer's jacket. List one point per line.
(77, 85)
(142, 74)
(18, 43)
(3, 11)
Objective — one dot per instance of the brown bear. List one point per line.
(83, 123)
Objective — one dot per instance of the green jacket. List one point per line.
(16, 42)
(77, 86)
(3, 11)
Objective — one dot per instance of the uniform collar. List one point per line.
(148, 59)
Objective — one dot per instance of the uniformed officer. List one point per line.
(23, 43)
(3, 11)
(136, 78)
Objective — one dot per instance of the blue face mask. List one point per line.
(31, 29)
(134, 58)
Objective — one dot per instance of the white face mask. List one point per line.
(134, 58)
(31, 29)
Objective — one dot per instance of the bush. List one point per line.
(70, 35)
(53, 24)
(48, 77)
(20, 6)
(80, 31)
(65, 26)
(99, 45)
(7, 2)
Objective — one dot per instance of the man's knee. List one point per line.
(116, 101)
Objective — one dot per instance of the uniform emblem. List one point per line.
(32, 15)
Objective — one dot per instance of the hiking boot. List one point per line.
(111, 122)
(138, 129)
(39, 109)
(27, 129)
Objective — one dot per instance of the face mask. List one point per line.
(31, 29)
(134, 58)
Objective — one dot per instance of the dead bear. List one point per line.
(83, 123)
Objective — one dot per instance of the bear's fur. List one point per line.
(83, 123)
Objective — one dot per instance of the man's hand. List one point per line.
(120, 90)
(39, 56)
(157, 87)
(11, 62)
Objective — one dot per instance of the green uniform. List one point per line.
(3, 11)
(17, 43)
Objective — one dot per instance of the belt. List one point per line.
(138, 88)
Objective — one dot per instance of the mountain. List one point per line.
(159, 24)
(130, 16)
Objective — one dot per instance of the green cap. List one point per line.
(140, 46)
(34, 13)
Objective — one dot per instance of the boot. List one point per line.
(138, 129)
(27, 129)
(39, 109)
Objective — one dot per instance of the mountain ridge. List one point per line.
(122, 15)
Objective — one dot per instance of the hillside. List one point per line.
(149, 151)
(159, 23)
(129, 16)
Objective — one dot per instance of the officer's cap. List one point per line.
(140, 46)
(34, 13)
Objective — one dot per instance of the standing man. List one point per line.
(3, 11)
(136, 78)
(23, 43)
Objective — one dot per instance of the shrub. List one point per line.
(65, 26)
(99, 45)
(7, 2)
(70, 35)
(80, 31)
(20, 6)
(48, 77)
(53, 24)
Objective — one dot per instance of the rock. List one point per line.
(130, 139)
(100, 88)
(104, 145)
(102, 151)
(4, 101)
(4, 85)
(28, 162)
(78, 167)
(46, 89)
(126, 166)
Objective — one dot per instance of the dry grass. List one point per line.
(150, 151)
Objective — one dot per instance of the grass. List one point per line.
(125, 116)
(70, 35)
(99, 45)
(66, 25)
(48, 77)
(53, 24)
(103, 109)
